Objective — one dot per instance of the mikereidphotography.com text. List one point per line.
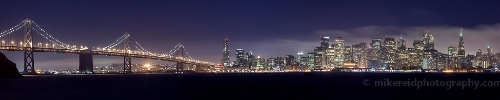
(418, 83)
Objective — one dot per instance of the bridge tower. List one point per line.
(29, 64)
(86, 62)
(180, 53)
(127, 62)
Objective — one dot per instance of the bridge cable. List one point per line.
(49, 39)
(118, 41)
(48, 34)
(175, 49)
(184, 49)
(139, 45)
(171, 51)
(111, 46)
(12, 29)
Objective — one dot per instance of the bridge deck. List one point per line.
(107, 53)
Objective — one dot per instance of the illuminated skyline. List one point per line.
(267, 28)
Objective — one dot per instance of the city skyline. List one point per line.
(203, 38)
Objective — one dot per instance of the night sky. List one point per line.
(268, 28)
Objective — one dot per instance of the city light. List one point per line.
(148, 66)
(383, 54)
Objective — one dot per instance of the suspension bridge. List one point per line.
(46, 43)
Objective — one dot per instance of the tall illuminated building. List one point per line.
(478, 60)
(250, 58)
(453, 61)
(375, 53)
(452, 51)
(461, 51)
(401, 60)
(360, 55)
(376, 43)
(226, 61)
(325, 42)
(338, 46)
(415, 58)
(401, 54)
(442, 60)
(428, 41)
(388, 52)
(429, 50)
(330, 57)
(279, 63)
(240, 57)
(319, 57)
(490, 57)
(373, 58)
(300, 57)
(461, 47)
(289, 60)
(401, 43)
(489, 51)
(270, 64)
(347, 53)
(311, 60)
(259, 63)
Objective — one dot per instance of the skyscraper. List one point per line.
(375, 53)
(226, 61)
(360, 55)
(489, 51)
(402, 56)
(279, 62)
(452, 57)
(319, 57)
(388, 52)
(461, 51)
(300, 56)
(401, 43)
(428, 41)
(270, 64)
(415, 58)
(259, 63)
(311, 58)
(490, 57)
(429, 50)
(240, 57)
(338, 46)
(461, 47)
(289, 60)
(330, 57)
(347, 53)
(452, 51)
(250, 59)
(376, 43)
(478, 59)
(325, 42)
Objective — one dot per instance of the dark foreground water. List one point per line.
(309, 86)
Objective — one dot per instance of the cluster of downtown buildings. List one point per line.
(381, 53)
